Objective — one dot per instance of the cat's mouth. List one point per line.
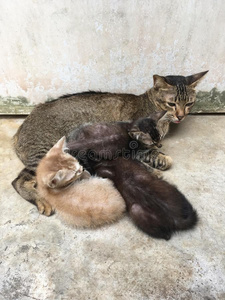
(177, 121)
(174, 118)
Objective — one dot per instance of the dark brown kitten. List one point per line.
(154, 205)
(105, 140)
(48, 122)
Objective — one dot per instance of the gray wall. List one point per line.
(50, 48)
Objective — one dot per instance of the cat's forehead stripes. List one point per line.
(179, 82)
(182, 94)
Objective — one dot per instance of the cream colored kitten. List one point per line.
(79, 199)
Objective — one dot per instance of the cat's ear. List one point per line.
(61, 144)
(55, 180)
(61, 178)
(134, 132)
(160, 82)
(193, 80)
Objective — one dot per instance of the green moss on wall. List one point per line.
(207, 102)
(15, 106)
(210, 102)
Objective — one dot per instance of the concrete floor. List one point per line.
(43, 259)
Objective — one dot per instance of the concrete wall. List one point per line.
(50, 48)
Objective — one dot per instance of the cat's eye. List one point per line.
(171, 104)
(190, 104)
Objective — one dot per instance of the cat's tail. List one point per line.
(188, 219)
(149, 219)
(148, 222)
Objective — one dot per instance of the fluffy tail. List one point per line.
(148, 222)
(189, 216)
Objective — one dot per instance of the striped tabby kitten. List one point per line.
(110, 140)
(48, 122)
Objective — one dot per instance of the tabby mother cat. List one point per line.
(48, 122)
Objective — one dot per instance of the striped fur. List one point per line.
(48, 122)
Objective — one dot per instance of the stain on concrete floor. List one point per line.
(43, 259)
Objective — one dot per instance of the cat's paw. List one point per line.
(157, 160)
(44, 208)
(162, 162)
(153, 171)
(157, 173)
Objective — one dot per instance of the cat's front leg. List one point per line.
(44, 207)
(25, 185)
(155, 159)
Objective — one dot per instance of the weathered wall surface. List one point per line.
(50, 48)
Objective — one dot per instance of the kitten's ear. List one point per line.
(61, 144)
(160, 82)
(193, 80)
(55, 180)
(134, 132)
(61, 178)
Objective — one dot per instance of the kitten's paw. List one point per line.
(158, 160)
(44, 208)
(153, 171)
(157, 173)
(162, 162)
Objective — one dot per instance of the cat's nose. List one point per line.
(180, 117)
